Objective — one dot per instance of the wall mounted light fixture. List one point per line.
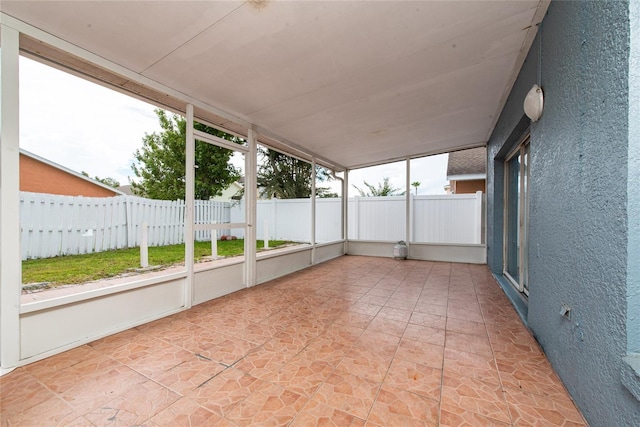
(534, 103)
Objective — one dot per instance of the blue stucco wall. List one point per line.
(631, 372)
(509, 130)
(578, 201)
(633, 184)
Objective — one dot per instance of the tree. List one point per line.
(160, 163)
(284, 177)
(416, 184)
(111, 182)
(383, 189)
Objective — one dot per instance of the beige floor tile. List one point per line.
(387, 326)
(475, 396)
(425, 334)
(356, 341)
(185, 413)
(223, 392)
(303, 375)
(454, 416)
(477, 344)
(395, 407)
(532, 409)
(270, 406)
(429, 320)
(463, 364)
(415, 377)
(52, 411)
(419, 352)
(318, 414)
(20, 391)
(366, 363)
(133, 407)
(349, 393)
(189, 375)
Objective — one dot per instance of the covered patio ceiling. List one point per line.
(351, 83)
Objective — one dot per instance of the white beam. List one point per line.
(313, 211)
(190, 177)
(250, 186)
(10, 265)
(407, 193)
(345, 209)
(216, 140)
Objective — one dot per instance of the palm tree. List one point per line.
(416, 184)
(383, 189)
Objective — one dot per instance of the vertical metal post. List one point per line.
(190, 176)
(477, 220)
(10, 266)
(345, 211)
(407, 193)
(313, 211)
(265, 227)
(251, 160)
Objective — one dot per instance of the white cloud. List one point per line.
(78, 124)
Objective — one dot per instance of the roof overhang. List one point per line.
(346, 83)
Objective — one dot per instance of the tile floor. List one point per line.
(357, 341)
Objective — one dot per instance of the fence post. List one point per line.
(266, 234)
(274, 216)
(412, 215)
(144, 246)
(127, 221)
(477, 229)
(356, 216)
(214, 242)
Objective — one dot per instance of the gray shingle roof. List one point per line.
(467, 162)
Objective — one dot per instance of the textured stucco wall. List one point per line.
(508, 132)
(631, 372)
(633, 187)
(578, 201)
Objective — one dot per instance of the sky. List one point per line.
(86, 127)
(79, 124)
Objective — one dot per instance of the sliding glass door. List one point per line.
(516, 218)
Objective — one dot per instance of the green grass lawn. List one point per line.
(84, 268)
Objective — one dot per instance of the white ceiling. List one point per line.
(353, 82)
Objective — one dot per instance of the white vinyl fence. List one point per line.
(447, 218)
(54, 225)
(291, 219)
(451, 218)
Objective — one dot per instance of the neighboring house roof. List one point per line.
(69, 171)
(467, 164)
(126, 189)
(229, 192)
